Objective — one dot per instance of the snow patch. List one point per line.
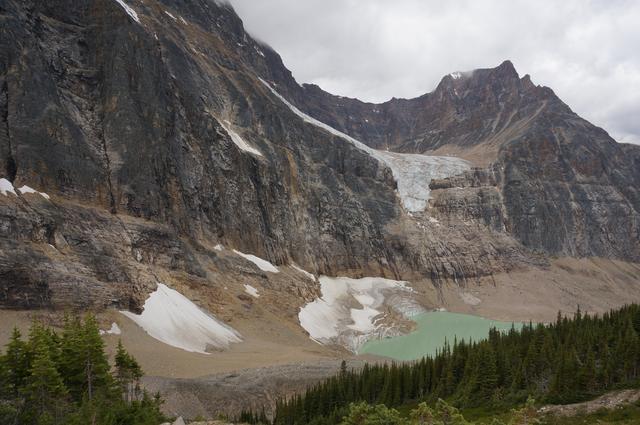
(26, 189)
(456, 75)
(412, 172)
(251, 291)
(129, 10)
(219, 247)
(6, 187)
(349, 309)
(170, 15)
(172, 318)
(114, 330)
(239, 141)
(304, 272)
(262, 264)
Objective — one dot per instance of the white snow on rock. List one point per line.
(251, 291)
(456, 75)
(239, 141)
(348, 311)
(129, 10)
(114, 330)
(413, 172)
(169, 15)
(262, 264)
(219, 247)
(6, 187)
(304, 272)
(26, 189)
(172, 318)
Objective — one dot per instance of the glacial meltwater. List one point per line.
(433, 329)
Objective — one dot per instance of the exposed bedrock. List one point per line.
(156, 140)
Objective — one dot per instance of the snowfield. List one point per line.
(172, 318)
(263, 265)
(349, 310)
(413, 172)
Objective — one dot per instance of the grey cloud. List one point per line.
(587, 51)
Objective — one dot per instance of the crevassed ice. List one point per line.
(129, 10)
(262, 264)
(412, 172)
(347, 313)
(172, 318)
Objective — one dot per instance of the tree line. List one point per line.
(65, 378)
(570, 360)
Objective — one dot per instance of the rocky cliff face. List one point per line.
(147, 124)
(557, 183)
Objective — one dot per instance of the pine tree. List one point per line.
(128, 374)
(486, 376)
(17, 363)
(84, 364)
(45, 394)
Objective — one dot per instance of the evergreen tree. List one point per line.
(16, 363)
(128, 374)
(44, 393)
(34, 377)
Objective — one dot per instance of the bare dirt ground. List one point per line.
(595, 285)
(228, 393)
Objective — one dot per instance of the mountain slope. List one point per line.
(567, 187)
(161, 129)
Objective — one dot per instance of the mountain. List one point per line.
(153, 145)
(157, 129)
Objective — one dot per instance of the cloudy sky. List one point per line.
(588, 51)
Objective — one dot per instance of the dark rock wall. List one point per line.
(123, 123)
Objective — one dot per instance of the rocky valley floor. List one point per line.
(276, 357)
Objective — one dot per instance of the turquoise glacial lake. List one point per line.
(433, 329)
